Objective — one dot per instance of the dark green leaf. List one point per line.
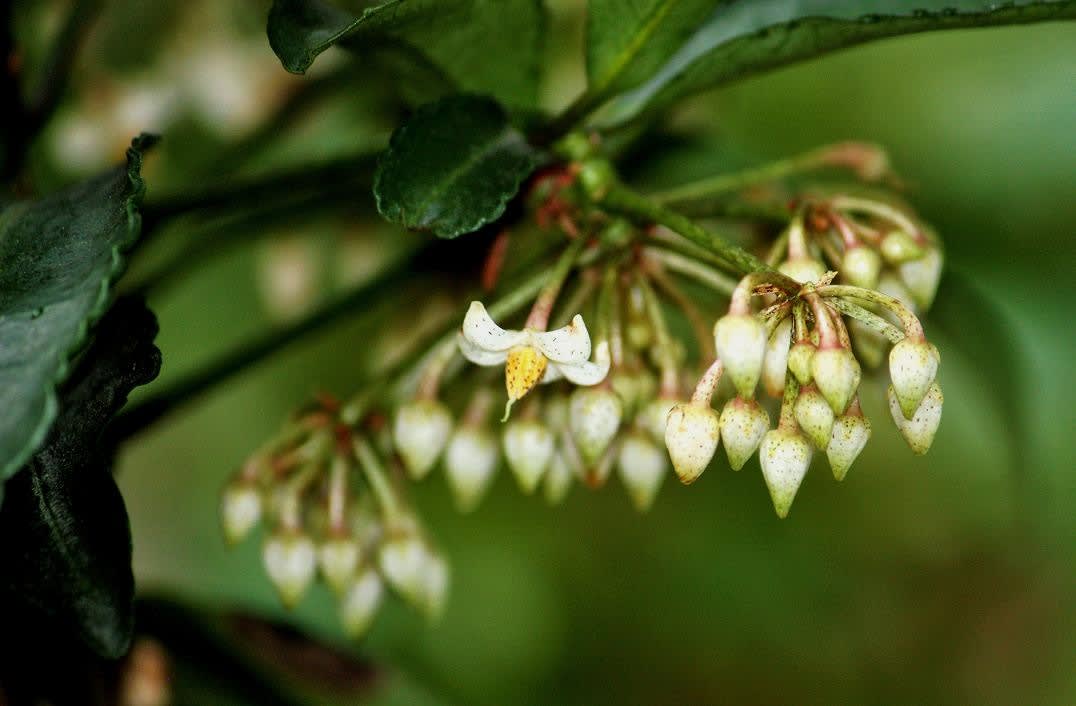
(453, 167)
(485, 46)
(743, 38)
(58, 258)
(66, 548)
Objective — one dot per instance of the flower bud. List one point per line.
(799, 360)
(360, 601)
(558, 479)
(741, 345)
(691, 435)
(743, 424)
(240, 510)
(435, 577)
(850, 434)
(913, 366)
(290, 560)
(803, 269)
(814, 415)
(596, 474)
(642, 465)
(861, 266)
(402, 561)
(555, 411)
(595, 419)
(470, 460)
(633, 389)
(420, 432)
(528, 447)
(921, 276)
(784, 456)
(899, 246)
(868, 344)
(920, 429)
(655, 416)
(338, 557)
(836, 373)
(892, 286)
(775, 361)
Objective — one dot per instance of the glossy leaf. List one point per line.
(486, 46)
(743, 38)
(58, 258)
(66, 549)
(453, 167)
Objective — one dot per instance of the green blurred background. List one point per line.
(944, 579)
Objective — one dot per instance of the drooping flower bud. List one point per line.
(775, 361)
(470, 460)
(899, 246)
(642, 465)
(920, 429)
(528, 447)
(595, 419)
(850, 434)
(743, 424)
(655, 416)
(913, 365)
(836, 372)
(861, 266)
(435, 577)
(360, 601)
(785, 457)
(558, 479)
(799, 360)
(921, 276)
(420, 432)
(402, 561)
(691, 435)
(338, 557)
(814, 415)
(741, 345)
(290, 559)
(803, 269)
(633, 389)
(240, 510)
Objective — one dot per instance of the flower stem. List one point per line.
(377, 479)
(704, 390)
(690, 267)
(869, 318)
(913, 329)
(788, 404)
(663, 341)
(543, 305)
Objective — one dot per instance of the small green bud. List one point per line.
(338, 557)
(803, 269)
(850, 434)
(921, 276)
(290, 559)
(595, 418)
(642, 465)
(741, 345)
(528, 447)
(920, 429)
(558, 479)
(240, 510)
(785, 457)
(861, 266)
(596, 175)
(775, 362)
(402, 561)
(836, 372)
(899, 246)
(799, 360)
(743, 424)
(655, 416)
(913, 365)
(420, 432)
(814, 415)
(359, 603)
(470, 461)
(435, 579)
(691, 435)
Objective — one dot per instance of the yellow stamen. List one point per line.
(522, 371)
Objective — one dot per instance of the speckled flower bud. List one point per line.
(528, 447)
(913, 365)
(359, 603)
(803, 269)
(691, 435)
(836, 373)
(861, 266)
(558, 479)
(799, 360)
(920, 429)
(240, 510)
(420, 432)
(775, 362)
(741, 345)
(921, 276)
(402, 561)
(470, 460)
(850, 434)
(655, 416)
(642, 465)
(595, 418)
(338, 557)
(814, 415)
(743, 424)
(785, 457)
(899, 246)
(290, 559)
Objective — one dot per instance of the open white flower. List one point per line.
(531, 357)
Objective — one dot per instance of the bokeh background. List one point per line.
(944, 579)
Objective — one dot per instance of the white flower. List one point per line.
(531, 357)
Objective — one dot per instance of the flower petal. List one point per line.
(551, 374)
(479, 356)
(586, 372)
(483, 332)
(570, 344)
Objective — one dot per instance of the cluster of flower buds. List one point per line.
(334, 512)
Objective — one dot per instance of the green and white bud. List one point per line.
(528, 447)
(470, 461)
(420, 433)
(655, 416)
(799, 360)
(899, 246)
(595, 418)
(850, 434)
(803, 269)
(775, 361)
(360, 601)
(691, 436)
(633, 389)
(921, 276)
(240, 510)
(741, 345)
(558, 479)
(868, 344)
(743, 424)
(435, 585)
(836, 372)
(814, 415)
(338, 557)
(861, 266)
(913, 365)
(642, 465)
(785, 457)
(920, 429)
(290, 559)
(402, 561)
